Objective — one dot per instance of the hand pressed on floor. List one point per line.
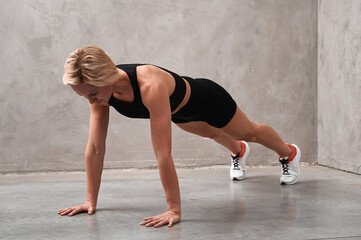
(86, 207)
(169, 217)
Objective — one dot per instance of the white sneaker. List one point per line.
(290, 166)
(238, 167)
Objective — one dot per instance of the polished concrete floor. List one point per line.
(325, 204)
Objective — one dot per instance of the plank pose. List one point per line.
(199, 106)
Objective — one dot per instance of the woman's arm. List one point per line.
(94, 158)
(156, 98)
(95, 150)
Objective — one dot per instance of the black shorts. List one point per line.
(209, 102)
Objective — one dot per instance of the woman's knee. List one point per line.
(252, 133)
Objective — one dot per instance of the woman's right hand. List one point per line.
(86, 207)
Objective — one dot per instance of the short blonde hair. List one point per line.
(91, 65)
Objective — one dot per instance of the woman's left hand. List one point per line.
(169, 217)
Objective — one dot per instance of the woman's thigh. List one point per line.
(240, 127)
(200, 128)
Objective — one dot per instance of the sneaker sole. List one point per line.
(240, 178)
(297, 159)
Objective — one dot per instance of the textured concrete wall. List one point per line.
(339, 84)
(263, 52)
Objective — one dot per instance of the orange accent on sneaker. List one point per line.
(243, 149)
(293, 154)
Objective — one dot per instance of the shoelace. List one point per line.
(235, 162)
(285, 166)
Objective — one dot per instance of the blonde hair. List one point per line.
(91, 65)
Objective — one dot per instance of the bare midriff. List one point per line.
(186, 97)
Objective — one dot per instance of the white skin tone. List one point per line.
(156, 86)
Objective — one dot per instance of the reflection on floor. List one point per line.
(325, 204)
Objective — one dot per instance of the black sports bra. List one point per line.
(136, 109)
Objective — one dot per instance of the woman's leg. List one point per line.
(203, 129)
(240, 128)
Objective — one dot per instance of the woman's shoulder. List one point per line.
(153, 75)
(147, 69)
(129, 65)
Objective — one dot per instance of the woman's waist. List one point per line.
(186, 95)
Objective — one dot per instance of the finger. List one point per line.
(170, 223)
(146, 222)
(161, 223)
(152, 223)
(151, 219)
(62, 210)
(91, 211)
(66, 212)
(76, 211)
(68, 209)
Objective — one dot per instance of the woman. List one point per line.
(199, 106)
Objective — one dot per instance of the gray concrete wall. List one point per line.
(263, 52)
(339, 84)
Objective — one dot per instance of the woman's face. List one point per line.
(100, 95)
